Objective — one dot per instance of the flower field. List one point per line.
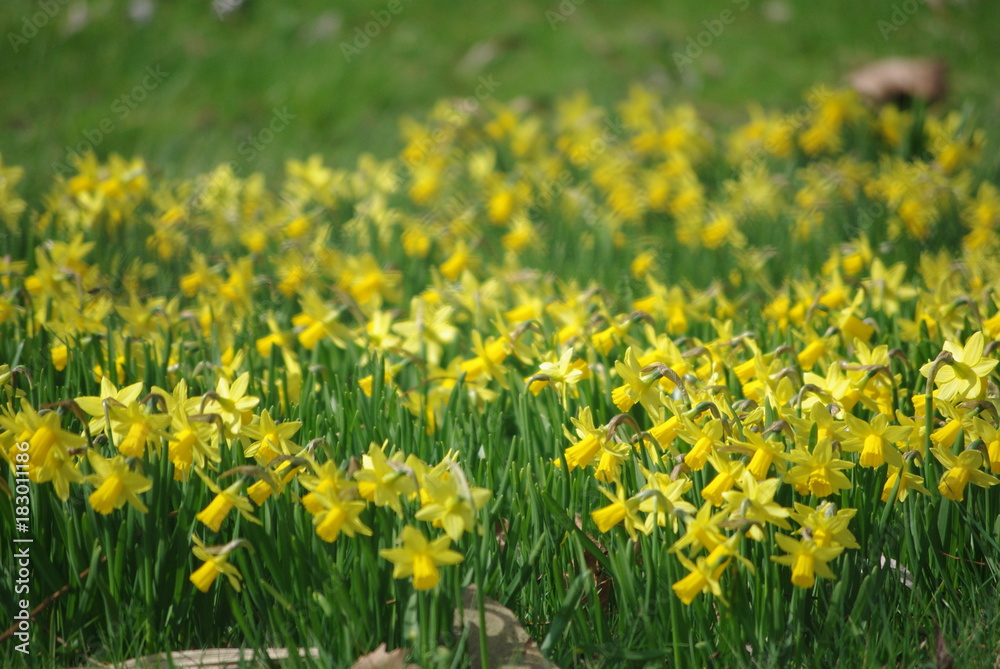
(670, 392)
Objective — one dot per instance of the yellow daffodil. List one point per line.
(49, 447)
(216, 563)
(875, 439)
(703, 574)
(450, 503)
(420, 558)
(817, 471)
(964, 376)
(335, 515)
(807, 559)
(383, 480)
(621, 510)
(224, 501)
(95, 405)
(116, 484)
(962, 469)
(269, 439)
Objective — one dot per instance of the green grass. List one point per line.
(227, 76)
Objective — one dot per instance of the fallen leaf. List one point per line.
(380, 658)
(901, 80)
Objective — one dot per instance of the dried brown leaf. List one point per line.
(900, 80)
(380, 658)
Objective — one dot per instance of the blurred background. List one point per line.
(188, 85)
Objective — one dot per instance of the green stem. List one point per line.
(943, 358)
(423, 625)
(481, 600)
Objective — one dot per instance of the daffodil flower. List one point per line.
(95, 405)
(116, 484)
(216, 563)
(450, 504)
(875, 439)
(420, 558)
(817, 472)
(620, 510)
(806, 558)
(703, 574)
(962, 469)
(223, 502)
(637, 387)
(827, 524)
(49, 447)
(382, 480)
(336, 515)
(269, 439)
(964, 377)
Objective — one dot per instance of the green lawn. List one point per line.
(227, 76)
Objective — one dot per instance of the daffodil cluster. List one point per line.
(722, 438)
(758, 305)
(137, 429)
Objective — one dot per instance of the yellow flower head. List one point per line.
(216, 563)
(116, 484)
(420, 558)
